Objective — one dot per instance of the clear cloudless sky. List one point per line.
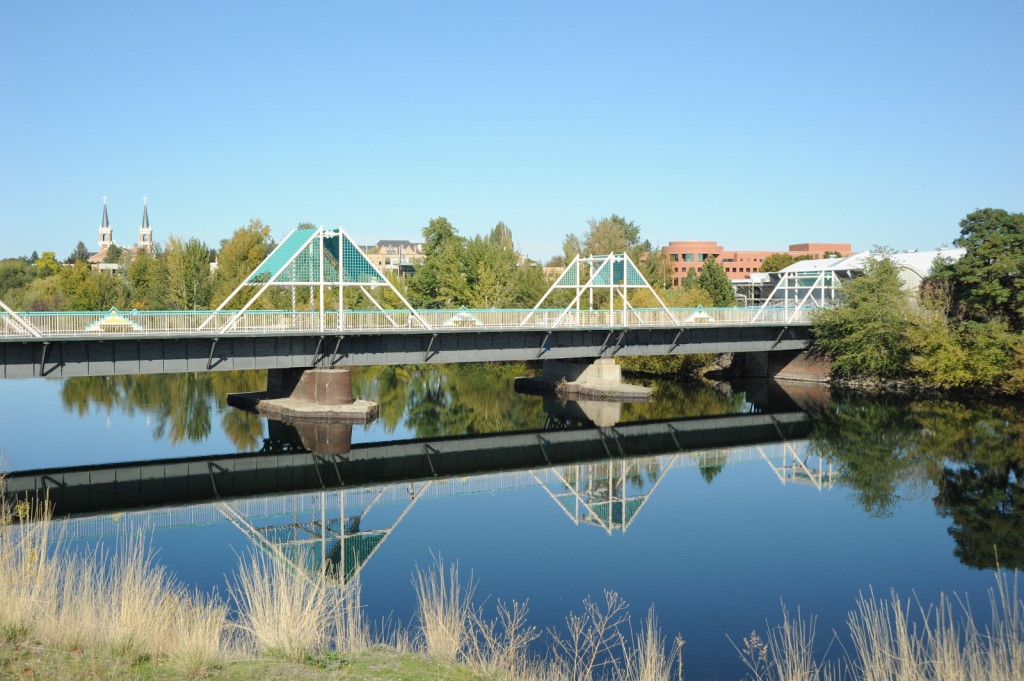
(756, 124)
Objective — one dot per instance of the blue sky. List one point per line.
(754, 124)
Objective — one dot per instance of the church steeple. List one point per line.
(145, 231)
(106, 231)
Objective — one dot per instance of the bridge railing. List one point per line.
(276, 322)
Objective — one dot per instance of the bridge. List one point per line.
(597, 477)
(587, 313)
(287, 466)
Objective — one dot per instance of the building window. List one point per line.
(675, 282)
(688, 257)
(675, 257)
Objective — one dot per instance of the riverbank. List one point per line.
(380, 662)
(120, 616)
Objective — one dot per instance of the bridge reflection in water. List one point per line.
(332, 511)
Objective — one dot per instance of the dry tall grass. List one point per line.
(285, 613)
(444, 609)
(28, 576)
(648, 659)
(124, 602)
(893, 640)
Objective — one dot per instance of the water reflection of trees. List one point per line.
(971, 456)
(435, 401)
(180, 406)
(429, 401)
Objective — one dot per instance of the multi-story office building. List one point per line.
(682, 256)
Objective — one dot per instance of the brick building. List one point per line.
(682, 256)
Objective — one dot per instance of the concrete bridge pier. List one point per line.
(297, 395)
(793, 365)
(599, 378)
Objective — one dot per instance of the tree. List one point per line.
(616, 234)
(715, 282)
(779, 261)
(47, 264)
(441, 280)
(989, 279)
(869, 331)
(114, 253)
(79, 254)
(82, 288)
(188, 274)
(239, 256)
(14, 274)
(146, 281)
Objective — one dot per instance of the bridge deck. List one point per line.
(75, 326)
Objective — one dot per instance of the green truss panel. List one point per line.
(358, 270)
(570, 277)
(304, 265)
(281, 255)
(633, 276)
(602, 277)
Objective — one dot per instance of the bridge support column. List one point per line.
(322, 395)
(793, 365)
(576, 379)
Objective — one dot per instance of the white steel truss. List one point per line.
(615, 273)
(797, 291)
(322, 259)
(15, 322)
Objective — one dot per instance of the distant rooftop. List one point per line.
(919, 261)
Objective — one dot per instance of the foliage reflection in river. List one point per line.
(181, 405)
(970, 458)
(427, 401)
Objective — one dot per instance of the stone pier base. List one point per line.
(591, 379)
(792, 365)
(321, 395)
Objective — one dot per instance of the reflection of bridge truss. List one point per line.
(338, 531)
(328, 540)
(800, 470)
(608, 494)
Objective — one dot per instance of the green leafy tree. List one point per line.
(15, 273)
(779, 261)
(989, 279)
(239, 256)
(114, 253)
(715, 282)
(869, 331)
(82, 288)
(188, 274)
(47, 265)
(441, 280)
(146, 281)
(79, 254)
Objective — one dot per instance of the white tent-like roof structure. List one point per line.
(813, 283)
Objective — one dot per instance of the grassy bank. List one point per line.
(119, 615)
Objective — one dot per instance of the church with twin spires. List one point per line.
(106, 239)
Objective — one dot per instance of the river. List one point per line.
(716, 504)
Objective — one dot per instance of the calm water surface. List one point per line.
(739, 499)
